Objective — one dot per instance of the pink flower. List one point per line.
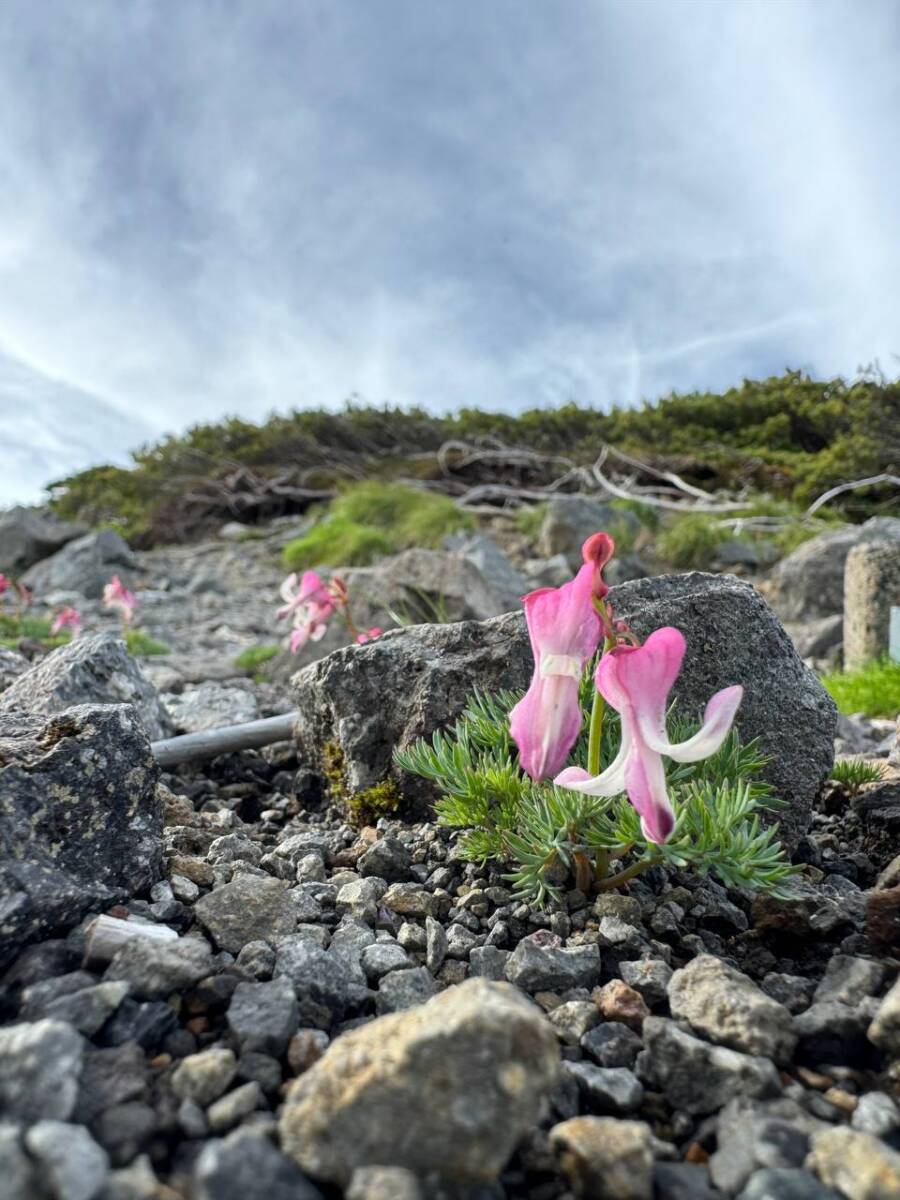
(369, 635)
(5, 583)
(117, 596)
(68, 618)
(565, 630)
(310, 604)
(636, 680)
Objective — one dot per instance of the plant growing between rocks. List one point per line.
(523, 774)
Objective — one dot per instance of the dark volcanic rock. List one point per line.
(28, 535)
(90, 670)
(81, 821)
(85, 565)
(369, 699)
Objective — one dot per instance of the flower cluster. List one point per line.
(566, 625)
(310, 601)
(66, 618)
(117, 597)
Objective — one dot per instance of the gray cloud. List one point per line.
(224, 206)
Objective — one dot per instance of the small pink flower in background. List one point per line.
(5, 583)
(117, 596)
(636, 681)
(565, 629)
(68, 618)
(309, 603)
(369, 635)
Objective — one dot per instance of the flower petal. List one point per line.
(545, 724)
(717, 721)
(645, 782)
(609, 782)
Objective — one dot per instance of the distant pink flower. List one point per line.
(565, 629)
(68, 618)
(636, 681)
(309, 603)
(369, 635)
(5, 583)
(117, 596)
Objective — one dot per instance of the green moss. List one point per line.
(255, 656)
(873, 690)
(366, 807)
(363, 807)
(141, 645)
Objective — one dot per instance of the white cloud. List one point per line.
(211, 207)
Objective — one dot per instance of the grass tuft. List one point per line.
(873, 690)
(142, 645)
(852, 773)
(254, 656)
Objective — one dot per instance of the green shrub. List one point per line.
(852, 773)
(337, 542)
(254, 656)
(873, 690)
(690, 542)
(142, 645)
(372, 519)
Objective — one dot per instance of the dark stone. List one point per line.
(124, 1130)
(404, 989)
(89, 670)
(81, 821)
(84, 565)
(110, 1077)
(28, 535)
(246, 1164)
(264, 1016)
(154, 969)
(546, 968)
(787, 1183)
(332, 980)
(612, 1044)
(387, 859)
(682, 1181)
(147, 1024)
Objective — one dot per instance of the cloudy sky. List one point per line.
(233, 206)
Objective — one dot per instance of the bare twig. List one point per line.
(849, 487)
(225, 740)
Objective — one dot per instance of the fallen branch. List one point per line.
(850, 487)
(191, 746)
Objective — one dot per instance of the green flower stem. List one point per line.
(596, 734)
(638, 868)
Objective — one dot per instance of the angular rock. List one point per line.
(451, 1087)
(699, 1077)
(849, 979)
(28, 535)
(858, 1165)
(785, 1183)
(381, 958)
(540, 968)
(16, 1169)
(154, 969)
(387, 859)
(90, 1008)
(39, 1068)
(429, 672)
(383, 1183)
(726, 1007)
(204, 1076)
(404, 989)
(264, 1016)
(734, 637)
(611, 1044)
(12, 665)
(570, 520)
(809, 583)
(84, 565)
(246, 1164)
(607, 1089)
(70, 1163)
(249, 909)
(335, 980)
(81, 819)
(90, 670)
(231, 1108)
(209, 706)
(871, 587)
(885, 1028)
(605, 1158)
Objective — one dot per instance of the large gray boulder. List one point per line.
(89, 670)
(27, 535)
(448, 1087)
(80, 819)
(570, 520)
(810, 582)
(85, 565)
(365, 700)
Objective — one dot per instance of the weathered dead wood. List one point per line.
(107, 935)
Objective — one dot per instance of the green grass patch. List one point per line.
(141, 645)
(690, 542)
(529, 519)
(372, 519)
(254, 657)
(853, 773)
(873, 690)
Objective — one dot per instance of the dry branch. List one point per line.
(250, 736)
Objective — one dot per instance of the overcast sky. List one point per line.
(232, 206)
